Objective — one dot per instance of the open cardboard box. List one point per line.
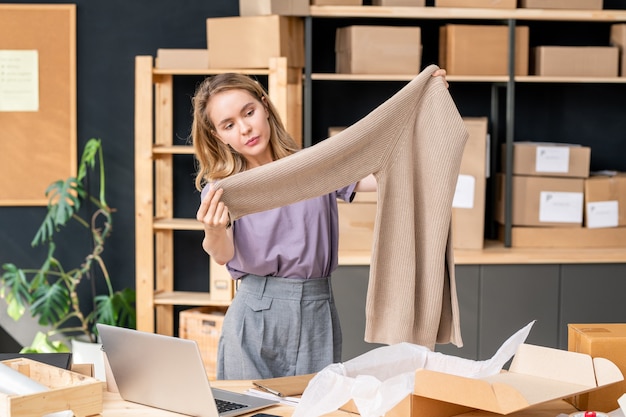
(537, 375)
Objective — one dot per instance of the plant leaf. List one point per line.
(51, 303)
(15, 290)
(88, 160)
(42, 344)
(116, 310)
(64, 198)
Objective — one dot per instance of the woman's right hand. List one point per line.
(212, 212)
(218, 237)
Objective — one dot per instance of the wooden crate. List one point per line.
(67, 391)
(204, 325)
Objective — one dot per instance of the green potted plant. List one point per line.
(50, 293)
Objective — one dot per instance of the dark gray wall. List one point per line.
(110, 33)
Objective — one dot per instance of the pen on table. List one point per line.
(270, 390)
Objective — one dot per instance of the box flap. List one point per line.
(607, 372)
(536, 375)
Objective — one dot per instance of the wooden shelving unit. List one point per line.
(154, 152)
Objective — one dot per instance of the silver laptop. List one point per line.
(167, 372)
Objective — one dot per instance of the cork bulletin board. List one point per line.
(37, 100)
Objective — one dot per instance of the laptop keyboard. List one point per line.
(224, 406)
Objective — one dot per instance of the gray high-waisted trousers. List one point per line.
(279, 327)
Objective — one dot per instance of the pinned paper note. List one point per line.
(19, 80)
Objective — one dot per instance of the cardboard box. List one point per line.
(356, 224)
(487, 4)
(562, 4)
(221, 283)
(618, 38)
(481, 49)
(604, 340)
(542, 201)
(468, 205)
(182, 59)
(399, 3)
(204, 325)
(333, 130)
(365, 49)
(549, 159)
(356, 219)
(234, 42)
(537, 375)
(567, 237)
(605, 200)
(270, 7)
(68, 390)
(337, 2)
(576, 61)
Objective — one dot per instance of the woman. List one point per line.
(283, 319)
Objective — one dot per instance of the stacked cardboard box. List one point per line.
(562, 4)
(468, 212)
(547, 185)
(482, 49)
(600, 340)
(605, 200)
(618, 38)
(364, 49)
(399, 3)
(488, 4)
(182, 58)
(356, 219)
(576, 61)
(270, 7)
(554, 196)
(336, 2)
(234, 42)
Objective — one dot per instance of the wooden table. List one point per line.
(114, 406)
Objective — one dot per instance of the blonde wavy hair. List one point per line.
(214, 159)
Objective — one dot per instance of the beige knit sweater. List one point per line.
(413, 144)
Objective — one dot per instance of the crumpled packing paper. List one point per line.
(379, 379)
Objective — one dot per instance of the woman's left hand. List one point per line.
(441, 73)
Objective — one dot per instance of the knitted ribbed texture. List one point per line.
(413, 144)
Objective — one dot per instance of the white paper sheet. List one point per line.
(19, 80)
(552, 159)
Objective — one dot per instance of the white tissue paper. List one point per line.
(379, 379)
(13, 382)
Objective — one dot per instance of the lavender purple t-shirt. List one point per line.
(295, 241)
